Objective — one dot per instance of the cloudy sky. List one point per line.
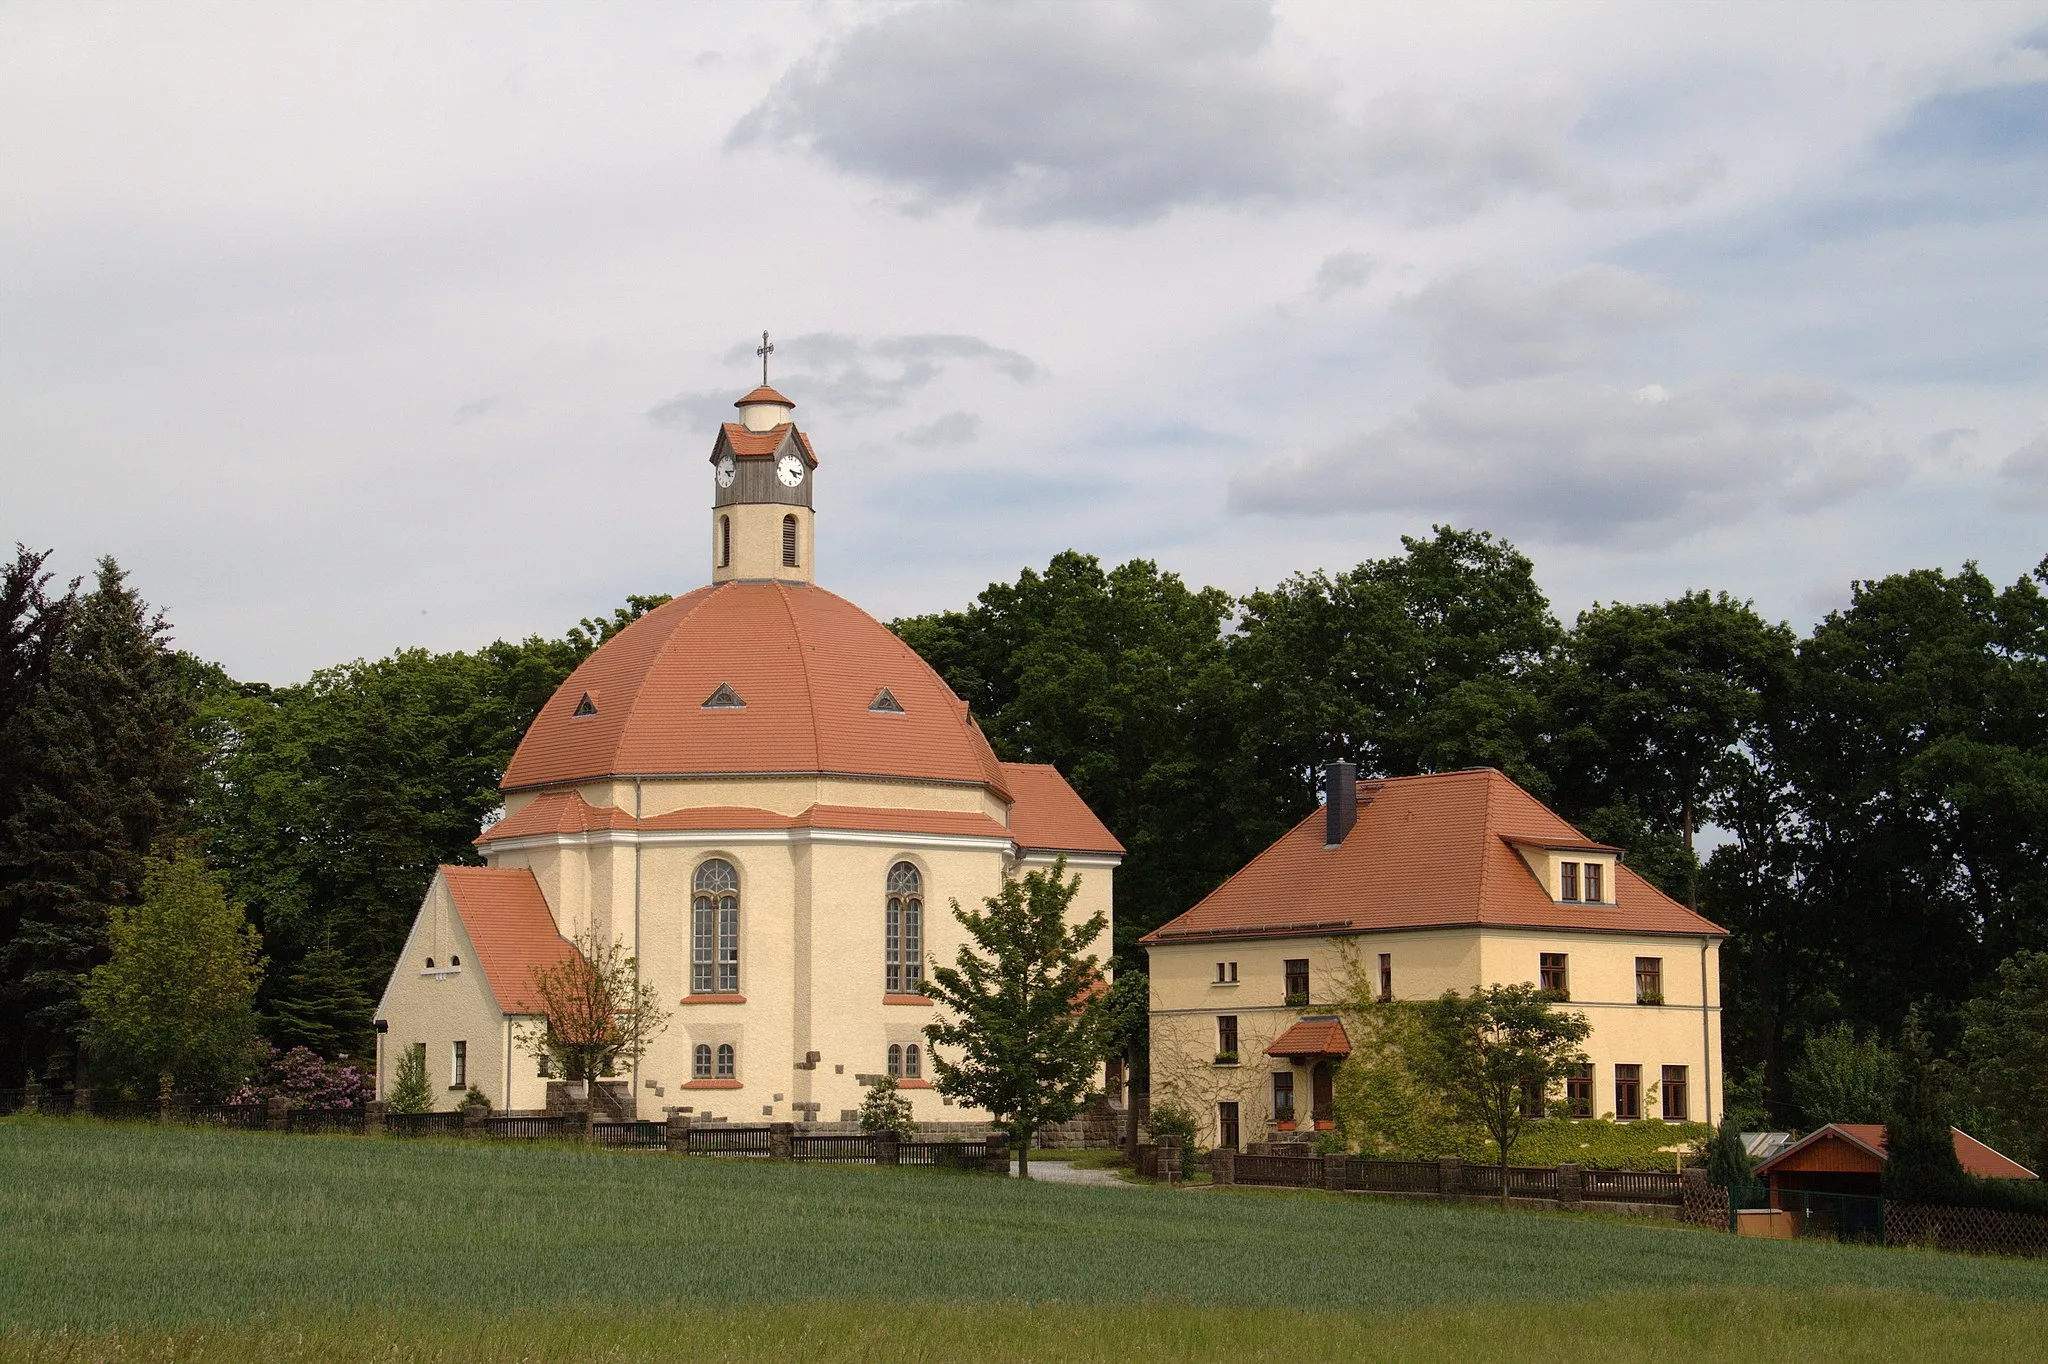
(348, 328)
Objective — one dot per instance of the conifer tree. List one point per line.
(325, 1008)
(103, 768)
(409, 1090)
(1028, 1025)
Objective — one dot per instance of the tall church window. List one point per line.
(903, 931)
(895, 1063)
(789, 542)
(726, 1069)
(700, 1062)
(913, 1063)
(715, 930)
(725, 542)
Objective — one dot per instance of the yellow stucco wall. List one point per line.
(1187, 1001)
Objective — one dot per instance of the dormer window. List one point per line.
(725, 698)
(1567, 880)
(585, 707)
(886, 703)
(1594, 890)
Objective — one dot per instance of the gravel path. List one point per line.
(1060, 1172)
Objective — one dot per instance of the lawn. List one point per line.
(131, 1242)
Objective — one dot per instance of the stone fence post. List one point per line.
(81, 1101)
(375, 1113)
(1336, 1172)
(1169, 1159)
(1571, 1185)
(781, 1138)
(676, 1136)
(888, 1148)
(995, 1159)
(1223, 1165)
(473, 1119)
(1450, 1175)
(277, 1113)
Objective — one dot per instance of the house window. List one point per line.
(1628, 1092)
(458, 1066)
(913, 1062)
(725, 1061)
(725, 542)
(1226, 1038)
(1386, 977)
(789, 542)
(903, 931)
(1594, 890)
(1551, 974)
(1567, 880)
(700, 1062)
(1226, 973)
(1578, 1092)
(895, 1064)
(1296, 971)
(546, 1071)
(1283, 1096)
(715, 930)
(1226, 1126)
(1673, 1092)
(1649, 980)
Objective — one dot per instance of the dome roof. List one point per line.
(746, 678)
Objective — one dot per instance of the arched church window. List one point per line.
(789, 542)
(715, 930)
(725, 542)
(903, 931)
(700, 1062)
(726, 1069)
(895, 1059)
(913, 1063)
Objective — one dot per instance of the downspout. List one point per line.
(636, 932)
(1706, 1038)
(505, 1102)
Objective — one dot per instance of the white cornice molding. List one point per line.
(685, 838)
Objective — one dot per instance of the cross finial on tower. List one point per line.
(764, 350)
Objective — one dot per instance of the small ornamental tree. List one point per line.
(1492, 1048)
(1027, 1019)
(1920, 1163)
(596, 1011)
(175, 1000)
(1727, 1158)
(885, 1109)
(409, 1092)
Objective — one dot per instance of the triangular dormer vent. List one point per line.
(886, 702)
(586, 706)
(725, 698)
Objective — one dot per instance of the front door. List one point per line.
(1322, 1088)
(1226, 1126)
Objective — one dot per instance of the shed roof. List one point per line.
(1868, 1139)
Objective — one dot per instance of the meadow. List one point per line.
(130, 1242)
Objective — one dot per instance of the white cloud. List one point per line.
(1576, 461)
(1342, 272)
(2025, 473)
(1122, 112)
(955, 428)
(1491, 324)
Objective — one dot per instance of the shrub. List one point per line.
(1169, 1121)
(477, 1101)
(1841, 1078)
(1727, 1159)
(884, 1109)
(409, 1091)
(308, 1081)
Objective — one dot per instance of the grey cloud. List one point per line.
(1487, 325)
(1122, 112)
(1580, 462)
(2025, 472)
(955, 428)
(704, 409)
(1950, 445)
(481, 407)
(1342, 272)
(852, 374)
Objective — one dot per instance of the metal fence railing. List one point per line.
(1392, 1176)
(722, 1140)
(225, 1115)
(645, 1135)
(422, 1124)
(833, 1147)
(1633, 1186)
(325, 1120)
(533, 1128)
(947, 1155)
(1287, 1172)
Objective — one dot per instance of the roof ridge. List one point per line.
(796, 636)
(1486, 833)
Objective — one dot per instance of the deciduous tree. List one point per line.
(596, 1011)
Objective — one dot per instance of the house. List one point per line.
(768, 799)
(1406, 888)
(1848, 1158)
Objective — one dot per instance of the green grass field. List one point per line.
(130, 1242)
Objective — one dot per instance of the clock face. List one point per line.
(727, 471)
(790, 469)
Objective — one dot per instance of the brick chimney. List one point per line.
(1340, 801)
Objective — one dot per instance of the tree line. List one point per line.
(1864, 805)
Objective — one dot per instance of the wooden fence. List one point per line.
(1566, 1185)
(1974, 1231)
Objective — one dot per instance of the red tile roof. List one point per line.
(763, 394)
(1050, 816)
(567, 812)
(1428, 851)
(805, 661)
(508, 923)
(1312, 1037)
(1974, 1156)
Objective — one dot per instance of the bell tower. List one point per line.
(762, 467)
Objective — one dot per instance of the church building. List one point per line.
(771, 801)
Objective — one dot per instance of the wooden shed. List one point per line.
(1848, 1158)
